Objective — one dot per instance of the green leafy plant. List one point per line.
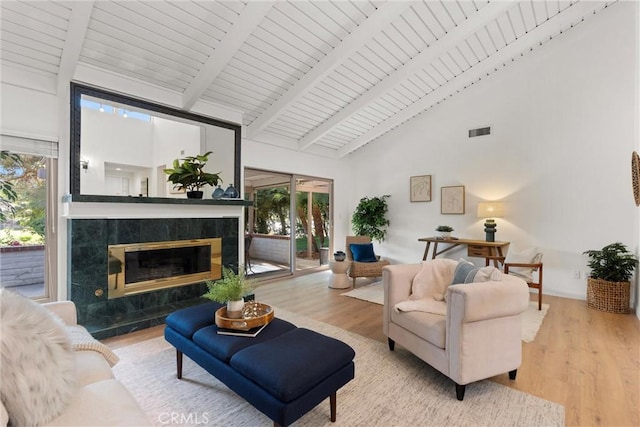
(8, 195)
(444, 228)
(370, 217)
(613, 263)
(231, 287)
(189, 175)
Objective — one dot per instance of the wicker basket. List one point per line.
(612, 297)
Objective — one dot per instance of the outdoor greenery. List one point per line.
(319, 215)
(272, 215)
(232, 286)
(613, 263)
(370, 217)
(8, 194)
(189, 174)
(272, 211)
(22, 199)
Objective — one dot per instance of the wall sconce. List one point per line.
(84, 163)
(489, 211)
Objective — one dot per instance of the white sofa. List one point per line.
(479, 335)
(99, 399)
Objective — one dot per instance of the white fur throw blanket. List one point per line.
(81, 339)
(429, 286)
(38, 365)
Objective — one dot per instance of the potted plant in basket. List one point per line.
(189, 175)
(608, 286)
(445, 231)
(231, 289)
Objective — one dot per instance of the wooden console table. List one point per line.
(475, 248)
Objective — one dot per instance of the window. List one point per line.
(28, 181)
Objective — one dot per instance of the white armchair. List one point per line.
(478, 337)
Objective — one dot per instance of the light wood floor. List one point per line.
(586, 360)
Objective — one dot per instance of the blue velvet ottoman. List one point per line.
(284, 371)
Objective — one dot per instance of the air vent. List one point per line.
(480, 132)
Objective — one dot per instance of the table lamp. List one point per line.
(489, 211)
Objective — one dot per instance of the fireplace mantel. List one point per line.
(82, 198)
(152, 207)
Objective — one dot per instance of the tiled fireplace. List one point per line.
(91, 269)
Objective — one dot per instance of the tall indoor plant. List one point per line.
(608, 285)
(370, 217)
(189, 175)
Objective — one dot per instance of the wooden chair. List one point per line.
(363, 269)
(534, 266)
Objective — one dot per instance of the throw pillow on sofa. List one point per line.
(38, 367)
(363, 252)
(467, 272)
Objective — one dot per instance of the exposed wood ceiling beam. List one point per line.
(556, 24)
(251, 16)
(382, 17)
(78, 23)
(441, 46)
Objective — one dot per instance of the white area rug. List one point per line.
(389, 389)
(531, 319)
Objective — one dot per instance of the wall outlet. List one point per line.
(576, 274)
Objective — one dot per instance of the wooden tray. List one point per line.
(244, 324)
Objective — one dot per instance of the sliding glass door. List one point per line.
(27, 238)
(288, 228)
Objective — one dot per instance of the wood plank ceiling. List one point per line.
(317, 75)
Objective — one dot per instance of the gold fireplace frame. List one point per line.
(116, 267)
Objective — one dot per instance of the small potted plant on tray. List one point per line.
(445, 231)
(231, 289)
(608, 285)
(189, 175)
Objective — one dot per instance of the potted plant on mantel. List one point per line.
(231, 289)
(190, 176)
(609, 286)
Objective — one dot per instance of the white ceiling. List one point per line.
(324, 75)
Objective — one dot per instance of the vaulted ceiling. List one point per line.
(317, 75)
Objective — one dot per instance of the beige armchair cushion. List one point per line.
(428, 326)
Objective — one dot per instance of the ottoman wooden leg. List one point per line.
(332, 402)
(179, 364)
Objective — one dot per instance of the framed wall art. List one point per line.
(420, 188)
(452, 200)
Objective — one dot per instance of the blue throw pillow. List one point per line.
(465, 273)
(363, 252)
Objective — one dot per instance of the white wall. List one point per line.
(563, 121)
(172, 140)
(28, 112)
(221, 161)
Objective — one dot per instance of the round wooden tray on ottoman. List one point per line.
(265, 316)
